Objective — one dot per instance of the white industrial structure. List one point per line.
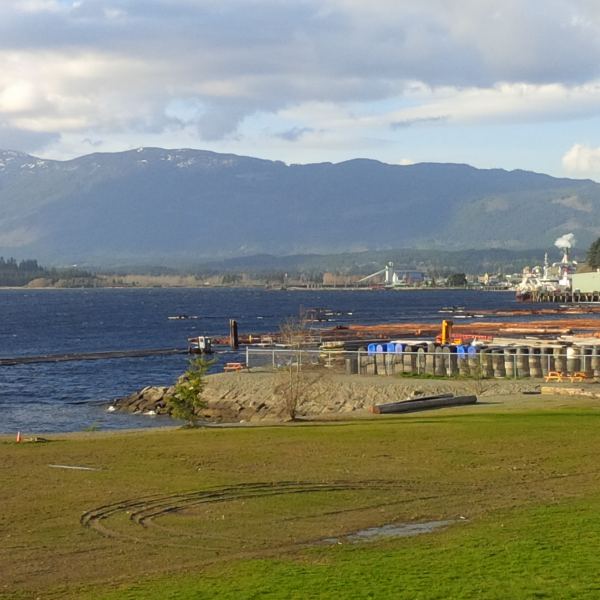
(395, 279)
(555, 277)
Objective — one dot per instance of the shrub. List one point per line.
(186, 402)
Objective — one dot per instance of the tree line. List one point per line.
(15, 273)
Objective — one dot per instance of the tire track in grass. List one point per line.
(143, 511)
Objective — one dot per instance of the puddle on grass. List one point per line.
(373, 534)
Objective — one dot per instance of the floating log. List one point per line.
(50, 358)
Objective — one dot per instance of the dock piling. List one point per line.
(233, 334)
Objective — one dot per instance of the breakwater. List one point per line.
(75, 356)
(564, 297)
(251, 396)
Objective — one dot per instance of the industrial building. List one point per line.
(586, 283)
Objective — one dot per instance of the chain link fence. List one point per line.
(441, 361)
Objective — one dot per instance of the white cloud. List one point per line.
(102, 69)
(582, 160)
(58, 92)
(17, 96)
(34, 6)
(504, 102)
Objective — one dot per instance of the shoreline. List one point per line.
(489, 405)
(254, 287)
(241, 399)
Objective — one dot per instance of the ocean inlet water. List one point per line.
(73, 396)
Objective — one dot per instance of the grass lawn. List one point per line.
(242, 512)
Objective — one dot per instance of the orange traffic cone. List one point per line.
(18, 437)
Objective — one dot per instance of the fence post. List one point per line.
(247, 358)
(273, 358)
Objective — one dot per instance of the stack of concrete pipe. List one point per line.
(428, 358)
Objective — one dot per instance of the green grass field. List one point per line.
(242, 512)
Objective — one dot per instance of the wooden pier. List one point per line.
(565, 297)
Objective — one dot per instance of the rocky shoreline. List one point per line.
(251, 396)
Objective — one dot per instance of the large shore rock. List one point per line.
(250, 396)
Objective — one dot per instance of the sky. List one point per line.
(508, 84)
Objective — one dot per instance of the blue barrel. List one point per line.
(472, 351)
(379, 348)
(398, 348)
(371, 349)
(461, 352)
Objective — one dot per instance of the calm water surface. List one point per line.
(72, 396)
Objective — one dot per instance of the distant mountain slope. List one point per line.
(161, 205)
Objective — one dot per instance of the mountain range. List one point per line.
(158, 206)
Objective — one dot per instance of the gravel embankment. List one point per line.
(252, 396)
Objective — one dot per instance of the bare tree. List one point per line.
(478, 382)
(296, 380)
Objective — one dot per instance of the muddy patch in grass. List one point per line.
(392, 530)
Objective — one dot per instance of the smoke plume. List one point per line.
(565, 241)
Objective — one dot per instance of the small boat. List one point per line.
(200, 345)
